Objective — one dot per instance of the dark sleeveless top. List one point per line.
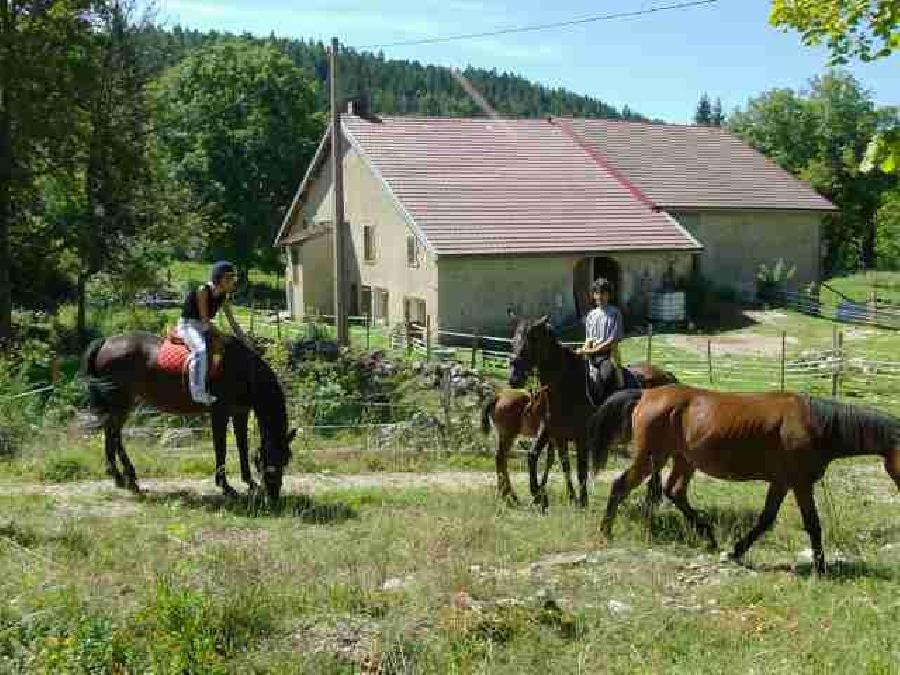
(191, 308)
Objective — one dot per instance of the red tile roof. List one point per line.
(476, 186)
(499, 187)
(689, 167)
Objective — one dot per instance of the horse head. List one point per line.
(529, 346)
(273, 455)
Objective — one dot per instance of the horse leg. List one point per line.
(807, 503)
(567, 469)
(504, 485)
(676, 491)
(627, 481)
(130, 482)
(220, 441)
(581, 460)
(534, 454)
(538, 489)
(654, 490)
(110, 446)
(551, 457)
(892, 465)
(774, 497)
(239, 425)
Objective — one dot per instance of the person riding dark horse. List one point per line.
(603, 332)
(572, 402)
(195, 326)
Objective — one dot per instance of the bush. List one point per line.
(770, 281)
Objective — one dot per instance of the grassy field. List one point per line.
(401, 560)
(410, 574)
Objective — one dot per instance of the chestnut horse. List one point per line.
(121, 369)
(571, 400)
(785, 439)
(519, 413)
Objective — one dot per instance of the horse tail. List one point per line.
(487, 412)
(89, 360)
(612, 420)
(104, 393)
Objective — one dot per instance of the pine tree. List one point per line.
(717, 117)
(703, 115)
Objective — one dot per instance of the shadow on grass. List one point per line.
(252, 506)
(668, 525)
(835, 570)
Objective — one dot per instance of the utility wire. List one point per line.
(544, 26)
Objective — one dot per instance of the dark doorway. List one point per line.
(609, 269)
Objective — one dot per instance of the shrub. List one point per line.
(770, 281)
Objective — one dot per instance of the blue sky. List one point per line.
(657, 64)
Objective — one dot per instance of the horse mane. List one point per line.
(263, 379)
(854, 428)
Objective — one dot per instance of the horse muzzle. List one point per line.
(272, 478)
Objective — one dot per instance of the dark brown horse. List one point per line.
(514, 413)
(122, 369)
(571, 400)
(787, 440)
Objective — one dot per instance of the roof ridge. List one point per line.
(603, 162)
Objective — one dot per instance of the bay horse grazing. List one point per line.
(122, 369)
(514, 413)
(785, 439)
(571, 400)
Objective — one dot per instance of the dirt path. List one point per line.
(294, 483)
(455, 481)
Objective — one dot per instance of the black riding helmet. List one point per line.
(600, 285)
(221, 269)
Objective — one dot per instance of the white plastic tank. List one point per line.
(667, 306)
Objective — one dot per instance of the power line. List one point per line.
(544, 26)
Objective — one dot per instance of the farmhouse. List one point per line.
(465, 219)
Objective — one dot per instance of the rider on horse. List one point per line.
(603, 331)
(194, 327)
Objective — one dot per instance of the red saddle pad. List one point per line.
(173, 358)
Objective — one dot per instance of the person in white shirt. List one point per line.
(603, 332)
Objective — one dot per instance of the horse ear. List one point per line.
(545, 319)
(292, 434)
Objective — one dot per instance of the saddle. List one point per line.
(629, 381)
(173, 356)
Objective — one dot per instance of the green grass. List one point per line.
(98, 581)
(885, 285)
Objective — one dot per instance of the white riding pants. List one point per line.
(191, 331)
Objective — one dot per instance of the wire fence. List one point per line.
(872, 313)
(418, 424)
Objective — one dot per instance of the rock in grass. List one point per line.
(618, 608)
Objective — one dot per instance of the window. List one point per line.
(414, 310)
(354, 301)
(412, 251)
(367, 301)
(382, 306)
(369, 243)
(294, 254)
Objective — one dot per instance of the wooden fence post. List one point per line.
(709, 359)
(834, 360)
(649, 343)
(368, 328)
(783, 349)
(428, 337)
(278, 325)
(474, 347)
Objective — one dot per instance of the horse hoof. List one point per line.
(252, 487)
(230, 492)
(132, 486)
